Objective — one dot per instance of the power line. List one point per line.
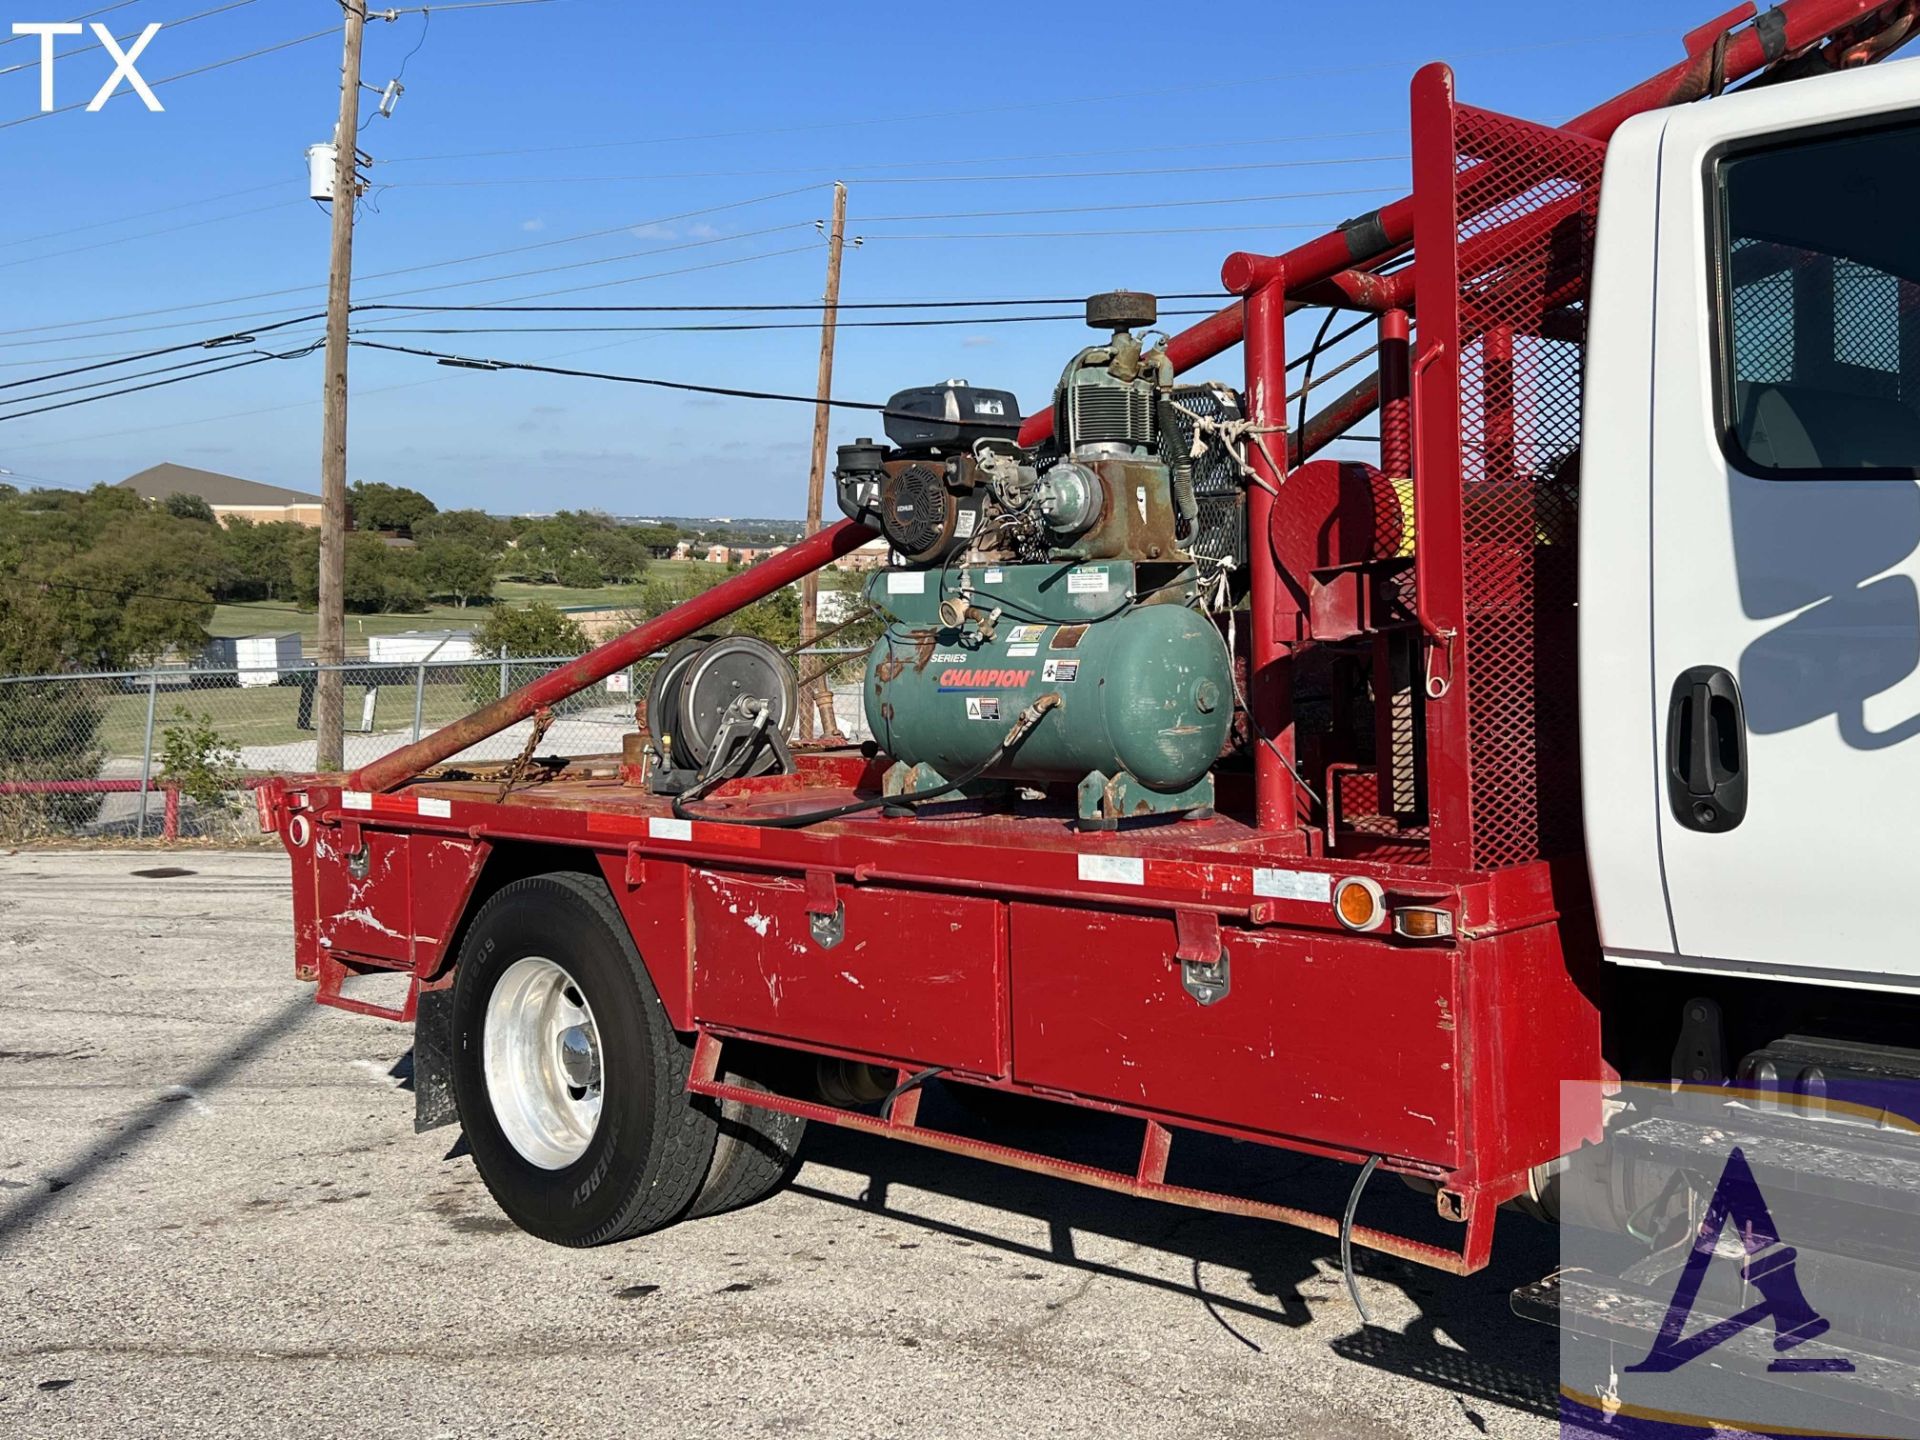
(181, 75)
(756, 307)
(457, 5)
(147, 234)
(130, 35)
(472, 362)
(140, 214)
(1128, 205)
(1102, 97)
(117, 5)
(826, 171)
(408, 269)
(1314, 225)
(808, 325)
(259, 357)
(207, 344)
(116, 379)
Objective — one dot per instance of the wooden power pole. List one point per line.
(329, 709)
(820, 703)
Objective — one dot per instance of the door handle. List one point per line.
(1707, 750)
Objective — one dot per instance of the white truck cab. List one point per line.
(1750, 535)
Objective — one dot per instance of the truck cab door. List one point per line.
(1785, 523)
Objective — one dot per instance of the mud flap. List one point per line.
(433, 1061)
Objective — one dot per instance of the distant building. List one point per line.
(226, 494)
(682, 550)
(871, 556)
(418, 645)
(716, 555)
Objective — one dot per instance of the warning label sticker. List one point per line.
(1087, 582)
(983, 707)
(1059, 672)
(1025, 634)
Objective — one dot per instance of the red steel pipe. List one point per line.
(1269, 677)
(170, 826)
(817, 550)
(1790, 27)
(1396, 396)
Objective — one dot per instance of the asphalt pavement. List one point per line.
(216, 1219)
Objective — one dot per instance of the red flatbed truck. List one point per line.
(1382, 928)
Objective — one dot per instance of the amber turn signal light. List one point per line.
(1422, 922)
(1359, 903)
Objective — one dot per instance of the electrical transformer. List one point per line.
(1076, 585)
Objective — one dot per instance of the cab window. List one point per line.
(1816, 253)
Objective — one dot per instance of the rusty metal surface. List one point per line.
(1453, 1262)
(616, 654)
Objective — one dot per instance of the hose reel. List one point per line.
(712, 699)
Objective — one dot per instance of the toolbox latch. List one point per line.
(826, 917)
(1205, 971)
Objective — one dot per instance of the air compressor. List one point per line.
(1090, 570)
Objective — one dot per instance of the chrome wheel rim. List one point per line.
(543, 1063)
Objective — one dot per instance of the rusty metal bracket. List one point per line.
(826, 916)
(636, 871)
(1205, 971)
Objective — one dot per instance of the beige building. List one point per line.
(226, 494)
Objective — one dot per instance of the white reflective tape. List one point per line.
(1293, 885)
(1114, 869)
(440, 809)
(356, 800)
(663, 827)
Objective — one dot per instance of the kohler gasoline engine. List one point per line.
(1086, 570)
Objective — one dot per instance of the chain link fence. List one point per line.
(174, 750)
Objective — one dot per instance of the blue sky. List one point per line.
(639, 122)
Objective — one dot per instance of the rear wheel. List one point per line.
(570, 1081)
(757, 1152)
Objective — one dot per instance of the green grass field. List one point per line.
(267, 715)
(282, 618)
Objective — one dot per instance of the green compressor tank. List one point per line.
(1146, 689)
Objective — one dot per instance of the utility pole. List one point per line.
(820, 703)
(329, 717)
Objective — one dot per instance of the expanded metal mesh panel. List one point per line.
(1222, 531)
(1529, 197)
(1801, 317)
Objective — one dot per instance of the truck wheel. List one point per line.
(571, 1083)
(757, 1152)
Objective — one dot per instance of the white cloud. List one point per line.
(652, 232)
(978, 342)
(531, 225)
(703, 232)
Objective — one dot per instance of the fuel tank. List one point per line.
(1144, 687)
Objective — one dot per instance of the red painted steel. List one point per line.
(170, 815)
(1033, 957)
(1802, 24)
(1470, 1257)
(1285, 1054)
(623, 650)
(758, 967)
(1274, 612)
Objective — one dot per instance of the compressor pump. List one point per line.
(1089, 570)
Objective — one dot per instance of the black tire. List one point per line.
(757, 1153)
(652, 1146)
